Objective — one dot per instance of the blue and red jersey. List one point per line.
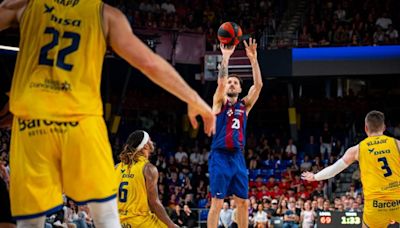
(231, 127)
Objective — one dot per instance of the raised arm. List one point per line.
(255, 89)
(151, 176)
(10, 12)
(133, 50)
(220, 93)
(348, 158)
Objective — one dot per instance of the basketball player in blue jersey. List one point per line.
(226, 165)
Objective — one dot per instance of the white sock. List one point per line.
(105, 214)
(31, 223)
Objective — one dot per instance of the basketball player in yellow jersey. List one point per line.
(138, 202)
(379, 159)
(58, 132)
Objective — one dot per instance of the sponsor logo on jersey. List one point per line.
(50, 84)
(44, 127)
(385, 204)
(32, 124)
(127, 175)
(70, 3)
(66, 21)
(378, 152)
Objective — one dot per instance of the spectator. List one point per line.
(260, 217)
(326, 140)
(274, 207)
(392, 35)
(180, 154)
(308, 216)
(290, 218)
(379, 35)
(311, 149)
(384, 21)
(355, 207)
(283, 207)
(177, 215)
(225, 217)
(306, 164)
(204, 156)
(189, 217)
(320, 204)
(195, 157)
(340, 13)
(168, 7)
(278, 148)
(234, 215)
(352, 192)
(318, 192)
(291, 149)
(327, 206)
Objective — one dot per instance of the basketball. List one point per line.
(229, 33)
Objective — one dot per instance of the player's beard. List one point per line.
(232, 94)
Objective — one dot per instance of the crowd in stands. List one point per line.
(71, 216)
(350, 23)
(326, 23)
(204, 16)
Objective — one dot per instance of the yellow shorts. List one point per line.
(379, 213)
(147, 221)
(50, 158)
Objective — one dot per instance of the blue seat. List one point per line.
(202, 203)
(266, 173)
(253, 173)
(204, 214)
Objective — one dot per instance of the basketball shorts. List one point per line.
(50, 158)
(379, 213)
(228, 174)
(144, 221)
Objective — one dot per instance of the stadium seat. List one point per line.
(202, 203)
(204, 214)
(277, 222)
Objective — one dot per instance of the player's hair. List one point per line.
(375, 121)
(133, 141)
(236, 76)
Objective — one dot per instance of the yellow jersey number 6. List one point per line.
(123, 192)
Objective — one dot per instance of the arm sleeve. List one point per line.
(331, 170)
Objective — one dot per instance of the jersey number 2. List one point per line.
(43, 57)
(236, 123)
(385, 166)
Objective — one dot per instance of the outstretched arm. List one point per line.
(348, 158)
(220, 93)
(151, 176)
(10, 11)
(255, 89)
(121, 38)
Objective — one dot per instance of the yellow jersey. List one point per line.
(58, 70)
(379, 160)
(132, 193)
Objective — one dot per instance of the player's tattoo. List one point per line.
(223, 71)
